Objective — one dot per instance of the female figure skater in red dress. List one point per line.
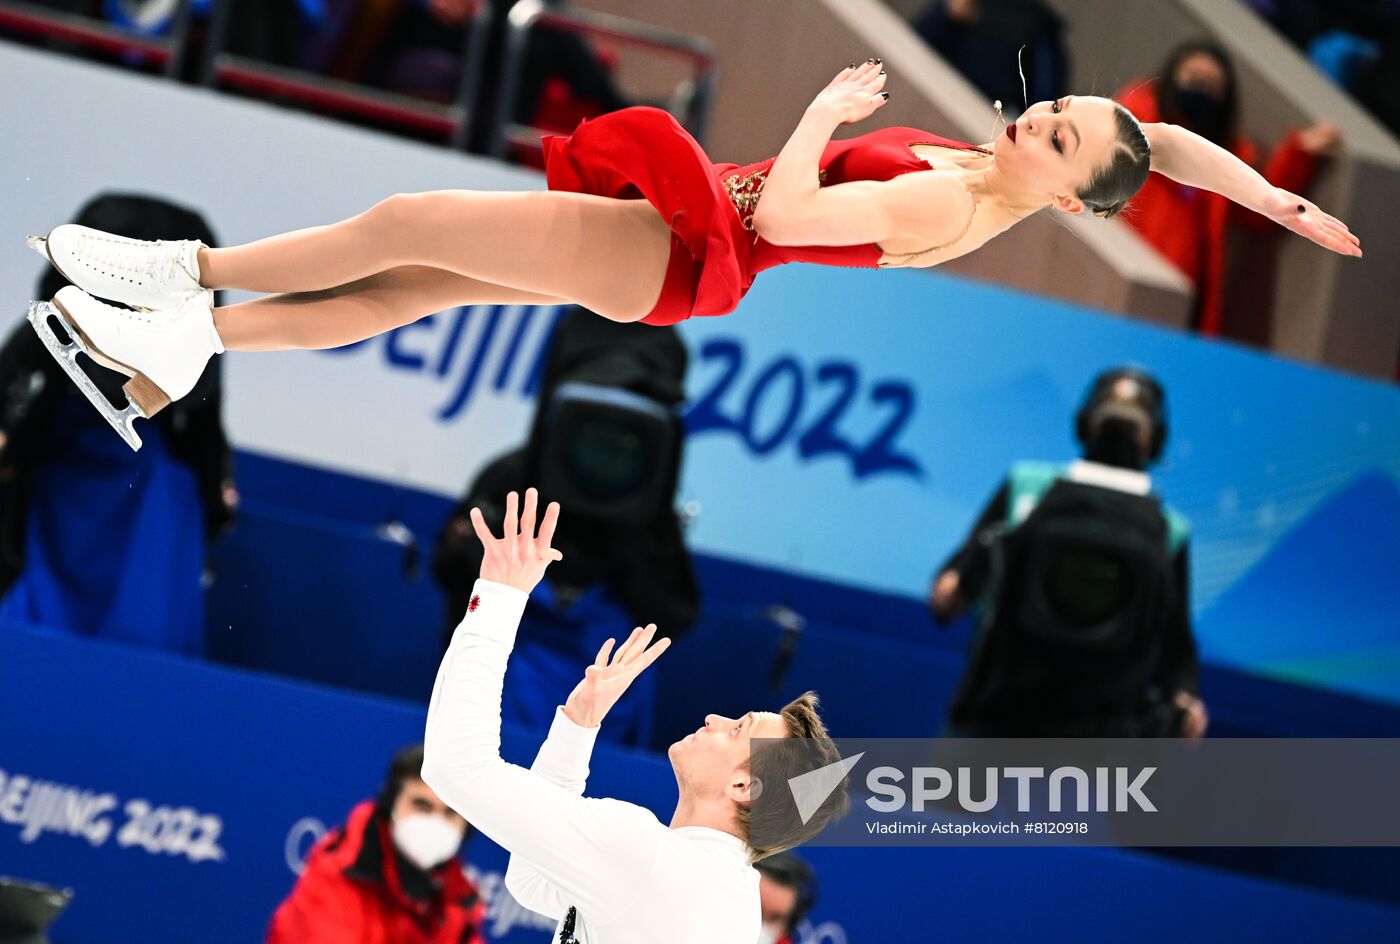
(637, 225)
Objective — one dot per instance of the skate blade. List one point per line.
(122, 420)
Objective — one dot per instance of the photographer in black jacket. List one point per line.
(1081, 578)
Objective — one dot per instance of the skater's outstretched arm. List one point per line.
(1188, 158)
(591, 850)
(563, 758)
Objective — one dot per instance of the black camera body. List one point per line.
(608, 453)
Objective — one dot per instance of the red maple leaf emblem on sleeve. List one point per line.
(476, 602)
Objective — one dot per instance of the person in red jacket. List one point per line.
(1197, 88)
(390, 875)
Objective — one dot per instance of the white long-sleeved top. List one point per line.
(632, 879)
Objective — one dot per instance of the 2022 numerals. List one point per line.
(176, 831)
(834, 385)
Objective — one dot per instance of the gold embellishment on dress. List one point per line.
(903, 258)
(745, 190)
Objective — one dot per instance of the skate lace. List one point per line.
(163, 266)
(166, 268)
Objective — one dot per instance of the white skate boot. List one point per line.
(135, 272)
(163, 352)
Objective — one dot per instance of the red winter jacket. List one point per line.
(1187, 225)
(351, 893)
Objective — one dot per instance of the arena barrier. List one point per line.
(182, 814)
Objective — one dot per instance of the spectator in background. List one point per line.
(415, 47)
(1355, 42)
(94, 538)
(273, 31)
(1196, 88)
(787, 892)
(1377, 82)
(1298, 20)
(982, 39)
(268, 30)
(606, 440)
(1343, 38)
(1081, 576)
(390, 875)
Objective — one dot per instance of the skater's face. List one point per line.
(713, 760)
(1056, 147)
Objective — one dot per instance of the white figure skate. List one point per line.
(163, 352)
(143, 274)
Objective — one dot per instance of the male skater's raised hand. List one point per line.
(519, 558)
(605, 870)
(607, 678)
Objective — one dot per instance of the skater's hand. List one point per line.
(452, 12)
(964, 11)
(944, 599)
(854, 94)
(1327, 231)
(607, 678)
(1196, 720)
(1321, 139)
(519, 558)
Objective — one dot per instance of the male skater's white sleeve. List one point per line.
(591, 851)
(563, 761)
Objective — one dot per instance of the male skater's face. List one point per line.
(711, 760)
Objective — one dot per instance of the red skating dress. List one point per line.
(715, 255)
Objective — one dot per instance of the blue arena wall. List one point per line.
(359, 612)
(259, 765)
(846, 423)
(849, 426)
(846, 426)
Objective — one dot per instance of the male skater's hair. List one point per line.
(775, 825)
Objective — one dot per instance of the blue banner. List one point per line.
(177, 799)
(849, 425)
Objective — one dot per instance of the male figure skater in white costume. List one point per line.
(608, 871)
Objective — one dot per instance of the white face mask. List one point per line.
(426, 840)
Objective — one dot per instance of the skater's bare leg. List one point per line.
(608, 255)
(362, 309)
